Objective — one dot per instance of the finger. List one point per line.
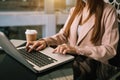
(61, 49)
(28, 44)
(54, 51)
(65, 51)
(58, 50)
(40, 48)
(33, 47)
(30, 49)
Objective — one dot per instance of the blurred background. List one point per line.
(17, 32)
(45, 6)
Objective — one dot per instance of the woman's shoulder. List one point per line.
(72, 9)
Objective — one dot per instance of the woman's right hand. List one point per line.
(36, 45)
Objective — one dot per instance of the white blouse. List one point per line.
(80, 28)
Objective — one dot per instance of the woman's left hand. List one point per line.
(64, 48)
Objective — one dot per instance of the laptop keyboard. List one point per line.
(37, 58)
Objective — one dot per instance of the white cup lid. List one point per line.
(28, 31)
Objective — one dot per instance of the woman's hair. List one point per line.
(95, 7)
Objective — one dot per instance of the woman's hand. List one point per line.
(64, 48)
(35, 45)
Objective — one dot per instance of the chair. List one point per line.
(115, 61)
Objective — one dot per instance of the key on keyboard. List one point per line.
(37, 58)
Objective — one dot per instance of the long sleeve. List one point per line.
(59, 38)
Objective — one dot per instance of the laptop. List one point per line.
(35, 61)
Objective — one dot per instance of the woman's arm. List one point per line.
(59, 38)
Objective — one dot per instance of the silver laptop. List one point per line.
(35, 61)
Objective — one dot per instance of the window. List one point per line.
(21, 5)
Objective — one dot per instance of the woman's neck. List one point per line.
(84, 15)
(85, 1)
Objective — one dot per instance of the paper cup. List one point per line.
(31, 35)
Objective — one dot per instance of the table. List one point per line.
(10, 69)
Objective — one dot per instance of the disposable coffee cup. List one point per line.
(31, 35)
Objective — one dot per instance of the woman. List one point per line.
(90, 34)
